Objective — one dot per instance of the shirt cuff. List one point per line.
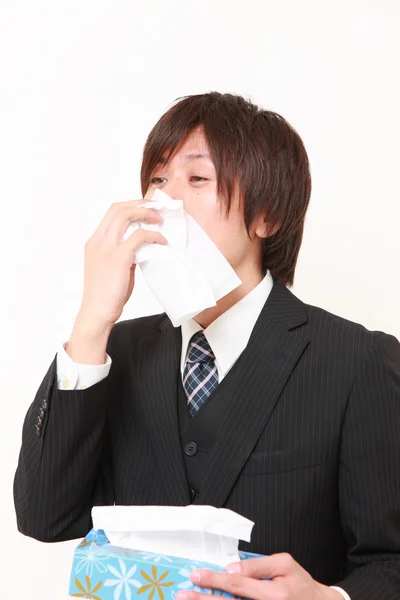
(344, 594)
(77, 376)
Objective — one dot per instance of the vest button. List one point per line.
(191, 449)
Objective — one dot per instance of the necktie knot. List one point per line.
(200, 376)
(200, 350)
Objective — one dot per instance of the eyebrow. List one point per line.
(189, 157)
(193, 156)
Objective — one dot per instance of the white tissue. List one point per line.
(198, 533)
(189, 274)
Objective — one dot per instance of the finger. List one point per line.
(234, 584)
(110, 214)
(143, 236)
(125, 212)
(276, 565)
(192, 596)
(125, 216)
(272, 592)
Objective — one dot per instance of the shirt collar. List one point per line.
(229, 334)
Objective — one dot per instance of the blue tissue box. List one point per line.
(101, 571)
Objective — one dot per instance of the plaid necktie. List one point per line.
(200, 376)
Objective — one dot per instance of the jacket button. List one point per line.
(192, 494)
(191, 449)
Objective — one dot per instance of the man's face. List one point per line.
(190, 176)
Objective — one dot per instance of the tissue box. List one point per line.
(101, 571)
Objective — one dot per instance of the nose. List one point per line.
(174, 188)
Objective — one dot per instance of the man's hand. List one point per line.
(287, 581)
(109, 277)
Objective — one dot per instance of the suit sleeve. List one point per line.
(369, 475)
(64, 465)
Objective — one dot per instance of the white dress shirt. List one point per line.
(228, 336)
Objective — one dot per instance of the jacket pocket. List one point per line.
(278, 461)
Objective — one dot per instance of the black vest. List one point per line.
(198, 433)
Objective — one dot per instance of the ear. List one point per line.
(262, 228)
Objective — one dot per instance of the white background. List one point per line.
(82, 83)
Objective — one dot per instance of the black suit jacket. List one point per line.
(309, 449)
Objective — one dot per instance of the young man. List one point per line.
(278, 410)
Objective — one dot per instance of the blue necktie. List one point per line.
(200, 376)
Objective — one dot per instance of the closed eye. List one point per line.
(197, 178)
(157, 180)
(193, 179)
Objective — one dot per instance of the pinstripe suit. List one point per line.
(309, 448)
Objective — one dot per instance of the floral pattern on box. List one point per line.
(101, 571)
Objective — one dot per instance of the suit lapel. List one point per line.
(262, 372)
(156, 380)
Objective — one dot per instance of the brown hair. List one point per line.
(256, 147)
